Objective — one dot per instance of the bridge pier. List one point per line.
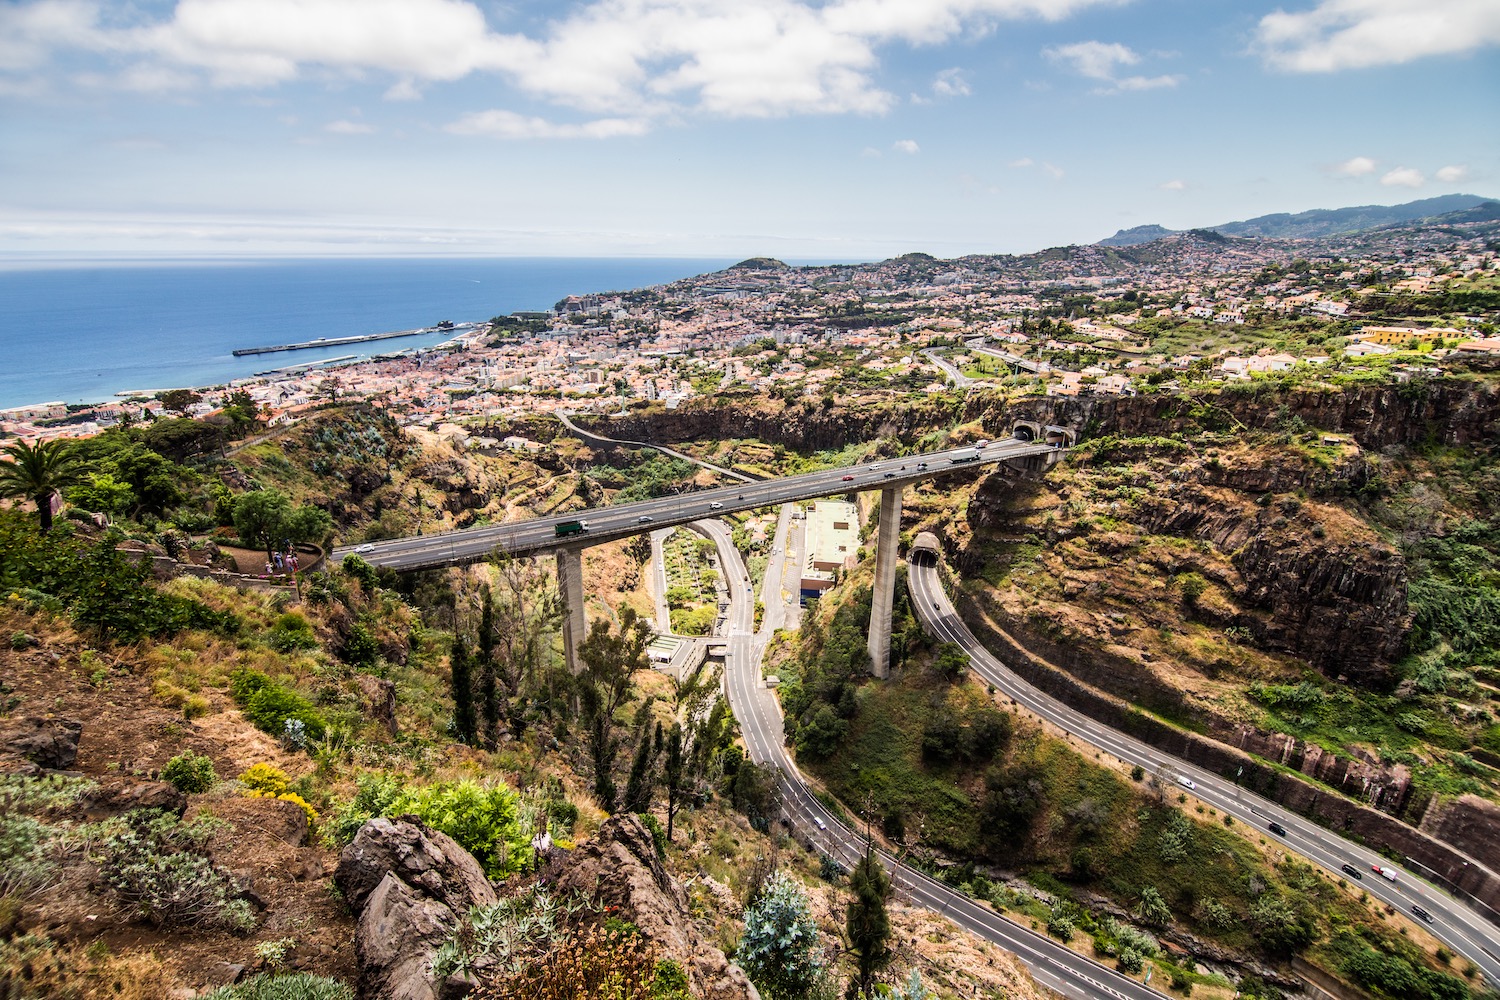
(570, 586)
(884, 598)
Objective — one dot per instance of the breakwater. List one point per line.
(330, 342)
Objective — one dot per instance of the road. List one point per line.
(1459, 927)
(606, 524)
(1052, 965)
(949, 368)
(590, 435)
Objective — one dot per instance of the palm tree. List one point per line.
(35, 472)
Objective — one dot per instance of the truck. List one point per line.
(960, 459)
(567, 528)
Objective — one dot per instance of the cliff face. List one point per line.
(1449, 411)
(805, 426)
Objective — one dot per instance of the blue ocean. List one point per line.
(83, 332)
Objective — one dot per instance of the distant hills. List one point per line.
(1448, 208)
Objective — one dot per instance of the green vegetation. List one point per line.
(284, 986)
(188, 772)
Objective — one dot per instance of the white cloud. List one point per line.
(1095, 60)
(1358, 166)
(1024, 161)
(345, 127)
(1347, 34)
(618, 59)
(1146, 82)
(906, 146)
(1404, 177)
(1103, 61)
(1450, 175)
(870, 153)
(951, 83)
(1055, 172)
(1174, 185)
(502, 124)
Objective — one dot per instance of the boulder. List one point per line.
(377, 699)
(620, 869)
(409, 887)
(48, 743)
(112, 800)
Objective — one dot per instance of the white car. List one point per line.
(367, 547)
(1187, 783)
(645, 519)
(716, 506)
(819, 820)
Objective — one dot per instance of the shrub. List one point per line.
(156, 866)
(1130, 961)
(292, 986)
(292, 633)
(24, 865)
(267, 779)
(268, 705)
(483, 820)
(190, 773)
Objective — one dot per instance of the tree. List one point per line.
(489, 690)
(179, 401)
(461, 683)
(266, 518)
(35, 472)
(780, 949)
(609, 658)
(672, 774)
(866, 920)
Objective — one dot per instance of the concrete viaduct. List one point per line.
(1033, 448)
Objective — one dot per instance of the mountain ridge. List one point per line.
(1316, 222)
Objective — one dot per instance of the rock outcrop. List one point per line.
(114, 799)
(409, 886)
(619, 868)
(51, 744)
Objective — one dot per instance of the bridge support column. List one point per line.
(570, 586)
(884, 597)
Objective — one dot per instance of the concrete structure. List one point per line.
(1031, 449)
(570, 587)
(884, 596)
(832, 544)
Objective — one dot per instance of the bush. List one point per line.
(292, 633)
(156, 866)
(483, 820)
(268, 705)
(291, 986)
(267, 779)
(1130, 961)
(190, 773)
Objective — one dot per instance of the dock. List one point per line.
(332, 342)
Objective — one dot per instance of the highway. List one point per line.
(1051, 964)
(1455, 924)
(610, 523)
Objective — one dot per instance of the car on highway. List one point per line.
(1422, 913)
(644, 519)
(921, 465)
(1277, 829)
(890, 475)
(1389, 874)
(819, 820)
(367, 547)
(848, 479)
(1187, 783)
(716, 506)
(1353, 873)
(982, 443)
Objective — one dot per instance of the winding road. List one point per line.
(1454, 923)
(1052, 964)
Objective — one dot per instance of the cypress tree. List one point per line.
(489, 689)
(866, 920)
(461, 683)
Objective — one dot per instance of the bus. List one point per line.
(567, 528)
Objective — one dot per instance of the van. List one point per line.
(819, 821)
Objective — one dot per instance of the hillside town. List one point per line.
(1081, 319)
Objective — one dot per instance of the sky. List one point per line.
(803, 129)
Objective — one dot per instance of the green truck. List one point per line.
(568, 528)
